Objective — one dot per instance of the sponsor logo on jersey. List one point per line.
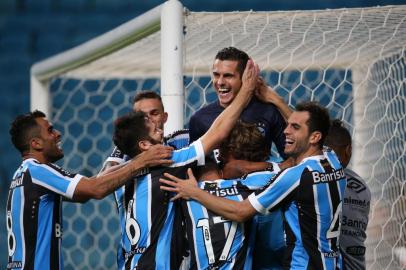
(331, 254)
(136, 250)
(355, 185)
(18, 181)
(16, 264)
(319, 177)
(355, 250)
(224, 192)
(359, 224)
(351, 201)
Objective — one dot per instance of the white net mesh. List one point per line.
(350, 60)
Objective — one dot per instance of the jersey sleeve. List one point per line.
(178, 139)
(54, 179)
(188, 155)
(258, 180)
(283, 185)
(116, 156)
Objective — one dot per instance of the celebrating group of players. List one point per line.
(216, 201)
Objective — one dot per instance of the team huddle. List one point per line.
(210, 197)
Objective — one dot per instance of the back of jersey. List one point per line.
(219, 243)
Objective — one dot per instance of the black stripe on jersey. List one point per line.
(9, 200)
(308, 219)
(335, 202)
(30, 216)
(56, 235)
(290, 246)
(159, 204)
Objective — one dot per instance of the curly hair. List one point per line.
(245, 142)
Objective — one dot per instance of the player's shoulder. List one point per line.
(35, 167)
(178, 139)
(209, 109)
(257, 105)
(356, 182)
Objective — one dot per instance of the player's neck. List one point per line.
(310, 152)
(39, 157)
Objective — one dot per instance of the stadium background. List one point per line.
(34, 30)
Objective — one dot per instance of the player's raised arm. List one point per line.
(223, 124)
(266, 94)
(188, 189)
(98, 187)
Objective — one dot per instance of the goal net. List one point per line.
(350, 60)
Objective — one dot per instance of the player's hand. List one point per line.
(250, 77)
(235, 168)
(156, 155)
(184, 188)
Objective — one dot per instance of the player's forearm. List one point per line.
(223, 124)
(228, 209)
(278, 101)
(101, 186)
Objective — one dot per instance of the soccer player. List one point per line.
(219, 243)
(227, 72)
(146, 215)
(151, 104)
(34, 204)
(310, 193)
(356, 203)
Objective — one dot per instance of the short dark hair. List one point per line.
(128, 131)
(245, 142)
(147, 95)
(24, 128)
(319, 119)
(338, 135)
(234, 54)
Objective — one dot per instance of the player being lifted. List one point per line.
(310, 193)
(34, 204)
(146, 215)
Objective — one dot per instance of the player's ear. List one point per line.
(144, 145)
(36, 143)
(315, 137)
(165, 117)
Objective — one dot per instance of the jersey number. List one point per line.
(133, 231)
(334, 230)
(11, 239)
(204, 224)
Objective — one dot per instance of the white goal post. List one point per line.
(353, 61)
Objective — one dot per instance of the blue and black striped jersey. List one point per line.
(34, 215)
(147, 216)
(218, 243)
(310, 195)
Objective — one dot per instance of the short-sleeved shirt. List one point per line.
(218, 243)
(147, 216)
(357, 200)
(266, 116)
(34, 215)
(310, 195)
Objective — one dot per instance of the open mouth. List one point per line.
(289, 141)
(59, 145)
(224, 91)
